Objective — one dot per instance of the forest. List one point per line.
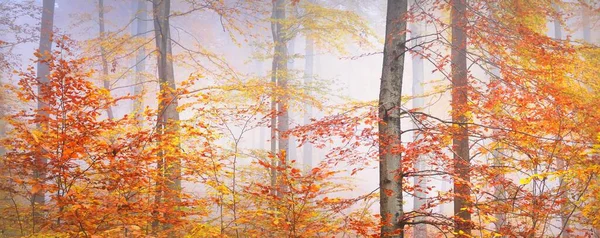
(299, 118)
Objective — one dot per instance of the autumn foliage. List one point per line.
(528, 113)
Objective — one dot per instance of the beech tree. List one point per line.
(168, 187)
(460, 140)
(418, 102)
(390, 93)
(45, 47)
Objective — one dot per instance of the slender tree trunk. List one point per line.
(282, 81)
(275, 35)
(418, 102)
(262, 130)
(560, 164)
(169, 187)
(292, 155)
(43, 69)
(460, 141)
(499, 191)
(280, 120)
(307, 149)
(105, 79)
(141, 16)
(390, 92)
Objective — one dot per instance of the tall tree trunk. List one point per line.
(292, 146)
(279, 144)
(261, 130)
(43, 69)
(282, 80)
(460, 140)
(417, 90)
(307, 149)
(105, 79)
(141, 16)
(499, 191)
(390, 92)
(169, 186)
(273, 125)
(560, 164)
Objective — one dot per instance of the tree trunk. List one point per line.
(390, 180)
(418, 102)
(560, 164)
(282, 80)
(499, 191)
(307, 149)
(43, 69)
(105, 79)
(141, 16)
(261, 130)
(169, 186)
(279, 121)
(292, 146)
(460, 140)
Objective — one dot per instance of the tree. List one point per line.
(420, 197)
(45, 47)
(307, 150)
(105, 79)
(279, 73)
(141, 16)
(560, 164)
(169, 186)
(460, 140)
(390, 92)
(86, 163)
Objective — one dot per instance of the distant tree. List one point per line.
(105, 80)
(141, 18)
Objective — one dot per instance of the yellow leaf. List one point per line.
(524, 181)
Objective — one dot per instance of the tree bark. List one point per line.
(282, 80)
(105, 80)
(168, 118)
(390, 180)
(279, 120)
(499, 191)
(460, 140)
(43, 70)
